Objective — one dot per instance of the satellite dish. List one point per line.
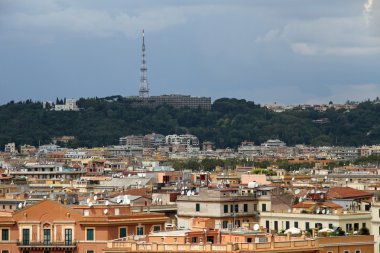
(188, 193)
(105, 211)
(292, 178)
(193, 193)
(51, 186)
(300, 199)
(107, 202)
(318, 210)
(323, 211)
(256, 227)
(88, 200)
(127, 201)
(95, 197)
(90, 204)
(20, 205)
(289, 210)
(182, 192)
(327, 211)
(297, 191)
(312, 191)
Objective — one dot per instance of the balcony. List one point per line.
(51, 246)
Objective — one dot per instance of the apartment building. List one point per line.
(43, 171)
(52, 227)
(228, 208)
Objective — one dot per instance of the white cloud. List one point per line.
(87, 22)
(304, 48)
(269, 36)
(338, 36)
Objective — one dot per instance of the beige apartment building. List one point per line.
(228, 208)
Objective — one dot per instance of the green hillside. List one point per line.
(103, 120)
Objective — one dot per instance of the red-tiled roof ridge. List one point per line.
(346, 192)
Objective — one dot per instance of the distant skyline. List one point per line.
(289, 52)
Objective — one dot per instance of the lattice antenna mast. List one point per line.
(144, 87)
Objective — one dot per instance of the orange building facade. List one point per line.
(49, 227)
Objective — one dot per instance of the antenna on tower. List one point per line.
(144, 87)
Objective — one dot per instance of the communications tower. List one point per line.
(144, 87)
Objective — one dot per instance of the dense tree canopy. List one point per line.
(103, 120)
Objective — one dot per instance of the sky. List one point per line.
(284, 51)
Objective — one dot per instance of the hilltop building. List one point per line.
(174, 100)
(70, 105)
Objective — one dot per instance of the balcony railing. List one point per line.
(25, 245)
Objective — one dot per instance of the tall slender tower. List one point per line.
(144, 87)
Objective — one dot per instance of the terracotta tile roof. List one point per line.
(311, 204)
(346, 192)
(331, 205)
(138, 192)
(304, 205)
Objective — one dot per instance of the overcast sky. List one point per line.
(284, 51)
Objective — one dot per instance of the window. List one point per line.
(122, 232)
(318, 225)
(236, 208)
(140, 230)
(231, 208)
(364, 225)
(5, 251)
(356, 226)
(68, 236)
(357, 251)
(194, 239)
(90, 234)
(117, 211)
(276, 225)
(25, 236)
(307, 225)
(68, 251)
(267, 225)
(264, 207)
(47, 237)
(296, 224)
(287, 224)
(156, 228)
(330, 251)
(254, 207)
(89, 251)
(197, 207)
(225, 208)
(346, 251)
(225, 224)
(211, 239)
(237, 223)
(245, 208)
(5, 234)
(46, 251)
